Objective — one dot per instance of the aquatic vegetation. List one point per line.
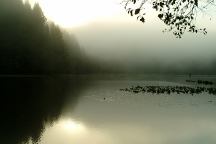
(171, 89)
(204, 82)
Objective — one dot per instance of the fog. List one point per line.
(90, 83)
(115, 40)
(137, 47)
(106, 44)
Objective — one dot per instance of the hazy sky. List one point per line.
(74, 13)
(105, 31)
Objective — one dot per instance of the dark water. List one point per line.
(28, 104)
(65, 110)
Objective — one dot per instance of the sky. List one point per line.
(73, 13)
(106, 32)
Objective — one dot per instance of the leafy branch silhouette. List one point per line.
(179, 15)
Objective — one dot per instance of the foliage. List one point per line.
(31, 45)
(179, 15)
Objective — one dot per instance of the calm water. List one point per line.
(68, 110)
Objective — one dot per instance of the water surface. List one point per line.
(97, 112)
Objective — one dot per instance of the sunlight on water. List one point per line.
(67, 130)
(72, 127)
(67, 127)
(105, 115)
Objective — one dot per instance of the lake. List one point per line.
(93, 110)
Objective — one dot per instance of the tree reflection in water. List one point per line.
(27, 104)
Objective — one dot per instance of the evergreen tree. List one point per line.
(31, 45)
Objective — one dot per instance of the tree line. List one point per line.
(29, 44)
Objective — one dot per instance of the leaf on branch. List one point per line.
(196, 2)
(178, 15)
(137, 11)
(134, 1)
(160, 16)
(142, 19)
(131, 12)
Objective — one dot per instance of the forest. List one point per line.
(32, 45)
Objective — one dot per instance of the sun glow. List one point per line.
(72, 13)
(72, 126)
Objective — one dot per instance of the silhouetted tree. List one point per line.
(31, 45)
(179, 15)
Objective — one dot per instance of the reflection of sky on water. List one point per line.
(68, 131)
(105, 115)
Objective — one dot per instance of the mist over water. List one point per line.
(71, 109)
(144, 48)
(111, 80)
